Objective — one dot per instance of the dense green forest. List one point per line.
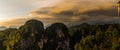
(33, 36)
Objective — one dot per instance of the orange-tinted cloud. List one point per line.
(75, 12)
(73, 7)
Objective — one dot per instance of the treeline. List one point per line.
(33, 36)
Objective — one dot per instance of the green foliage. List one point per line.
(11, 39)
(83, 37)
(107, 39)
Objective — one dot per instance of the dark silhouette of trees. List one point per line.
(75, 38)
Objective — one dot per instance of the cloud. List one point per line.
(20, 8)
(14, 22)
(75, 7)
(77, 10)
(73, 12)
(111, 12)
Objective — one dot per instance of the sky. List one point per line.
(12, 9)
(70, 12)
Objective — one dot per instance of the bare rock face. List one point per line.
(58, 37)
(31, 33)
(57, 30)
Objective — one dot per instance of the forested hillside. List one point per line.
(57, 36)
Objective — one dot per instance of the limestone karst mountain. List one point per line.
(31, 34)
(58, 37)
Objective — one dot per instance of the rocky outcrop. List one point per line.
(31, 34)
(58, 37)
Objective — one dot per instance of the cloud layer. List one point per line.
(76, 12)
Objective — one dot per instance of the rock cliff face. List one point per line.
(31, 34)
(34, 37)
(57, 35)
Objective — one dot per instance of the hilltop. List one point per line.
(57, 36)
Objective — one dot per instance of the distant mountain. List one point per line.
(17, 27)
(2, 27)
(79, 26)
